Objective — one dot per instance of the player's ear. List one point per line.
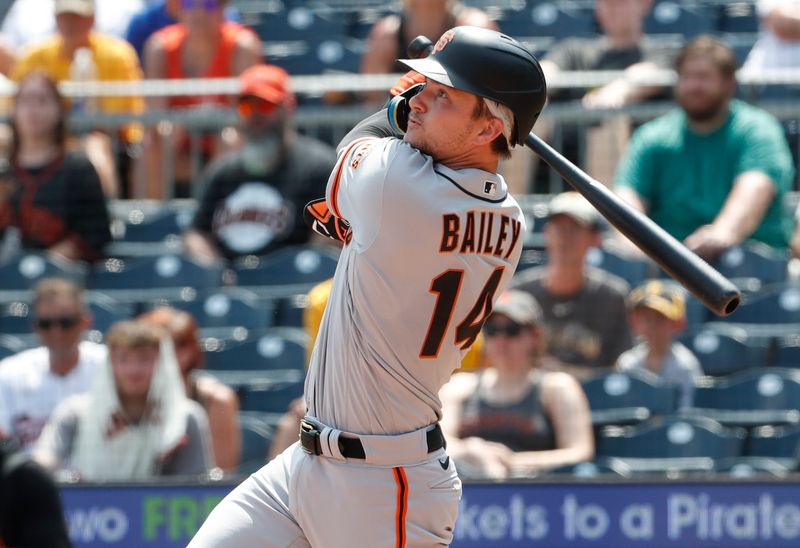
(489, 130)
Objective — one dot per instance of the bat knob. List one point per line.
(419, 47)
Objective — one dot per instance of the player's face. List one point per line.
(442, 122)
(133, 370)
(568, 241)
(36, 110)
(702, 90)
(509, 345)
(59, 323)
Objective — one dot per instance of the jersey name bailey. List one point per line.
(479, 232)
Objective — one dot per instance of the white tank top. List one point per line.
(432, 248)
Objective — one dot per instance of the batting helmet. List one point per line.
(489, 64)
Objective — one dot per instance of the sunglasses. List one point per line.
(64, 322)
(509, 330)
(250, 107)
(207, 5)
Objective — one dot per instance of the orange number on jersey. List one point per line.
(446, 286)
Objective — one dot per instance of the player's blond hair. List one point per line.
(488, 108)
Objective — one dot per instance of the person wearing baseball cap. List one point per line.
(583, 307)
(515, 418)
(254, 196)
(657, 314)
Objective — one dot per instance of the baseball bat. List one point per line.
(713, 289)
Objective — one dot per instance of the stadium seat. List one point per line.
(670, 17)
(217, 309)
(753, 261)
(291, 266)
(786, 352)
(622, 398)
(289, 310)
(737, 17)
(723, 353)
(552, 19)
(270, 398)
(277, 349)
(672, 437)
(23, 271)
(10, 345)
(777, 304)
(634, 271)
(257, 435)
(749, 398)
(163, 224)
(16, 317)
(746, 467)
(774, 441)
(602, 466)
(321, 56)
(160, 272)
(299, 23)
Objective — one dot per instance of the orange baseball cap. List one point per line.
(267, 82)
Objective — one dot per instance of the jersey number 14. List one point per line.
(446, 286)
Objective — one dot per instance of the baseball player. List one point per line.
(432, 237)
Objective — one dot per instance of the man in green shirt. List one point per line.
(713, 172)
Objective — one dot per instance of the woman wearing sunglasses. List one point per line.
(513, 419)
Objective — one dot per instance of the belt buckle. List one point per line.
(309, 438)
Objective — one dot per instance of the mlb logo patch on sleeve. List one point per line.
(490, 188)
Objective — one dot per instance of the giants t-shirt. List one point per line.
(252, 213)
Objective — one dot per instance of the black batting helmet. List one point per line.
(489, 64)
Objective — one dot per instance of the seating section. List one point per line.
(277, 349)
(257, 432)
(620, 398)
(23, 271)
(722, 353)
(300, 266)
(270, 398)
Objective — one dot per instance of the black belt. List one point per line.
(352, 448)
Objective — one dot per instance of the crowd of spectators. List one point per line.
(714, 172)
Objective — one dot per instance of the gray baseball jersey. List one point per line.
(431, 249)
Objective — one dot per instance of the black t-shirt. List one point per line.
(584, 54)
(249, 213)
(31, 515)
(60, 200)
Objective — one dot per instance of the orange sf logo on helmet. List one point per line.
(446, 38)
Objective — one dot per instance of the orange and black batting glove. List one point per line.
(321, 219)
(406, 81)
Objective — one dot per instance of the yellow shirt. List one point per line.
(312, 317)
(115, 60)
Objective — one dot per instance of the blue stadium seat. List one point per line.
(787, 352)
(321, 56)
(753, 260)
(257, 434)
(738, 17)
(23, 271)
(670, 17)
(632, 270)
(749, 398)
(300, 265)
(277, 349)
(672, 437)
(747, 467)
(774, 441)
(10, 345)
(723, 353)
(216, 309)
(271, 398)
(554, 19)
(623, 398)
(16, 317)
(602, 466)
(107, 311)
(166, 271)
(299, 23)
(777, 304)
(165, 223)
